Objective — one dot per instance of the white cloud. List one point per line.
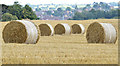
(23, 2)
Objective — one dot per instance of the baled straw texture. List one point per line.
(101, 33)
(46, 29)
(62, 28)
(20, 31)
(78, 29)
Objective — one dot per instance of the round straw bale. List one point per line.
(101, 33)
(46, 29)
(78, 29)
(62, 29)
(20, 31)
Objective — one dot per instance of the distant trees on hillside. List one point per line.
(58, 12)
(96, 14)
(38, 9)
(101, 5)
(49, 12)
(98, 10)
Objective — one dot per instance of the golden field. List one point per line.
(61, 49)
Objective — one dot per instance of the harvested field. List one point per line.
(62, 49)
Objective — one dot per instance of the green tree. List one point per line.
(68, 9)
(14, 17)
(59, 9)
(15, 9)
(88, 15)
(27, 12)
(79, 16)
(4, 8)
(7, 17)
(100, 14)
(119, 4)
(58, 13)
(76, 7)
(87, 7)
(49, 12)
(112, 13)
(21, 12)
(105, 6)
(118, 13)
(96, 6)
(0, 13)
(93, 11)
(38, 9)
(96, 14)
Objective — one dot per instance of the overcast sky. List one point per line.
(35, 2)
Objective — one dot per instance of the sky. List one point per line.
(36, 2)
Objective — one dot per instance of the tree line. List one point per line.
(17, 11)
(99, 10)
(96, 14)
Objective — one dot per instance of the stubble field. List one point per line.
(61, 49)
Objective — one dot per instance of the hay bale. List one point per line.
(46, 29)
(62, 29)
(78, 29)
(101, 33)
(20, 31)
